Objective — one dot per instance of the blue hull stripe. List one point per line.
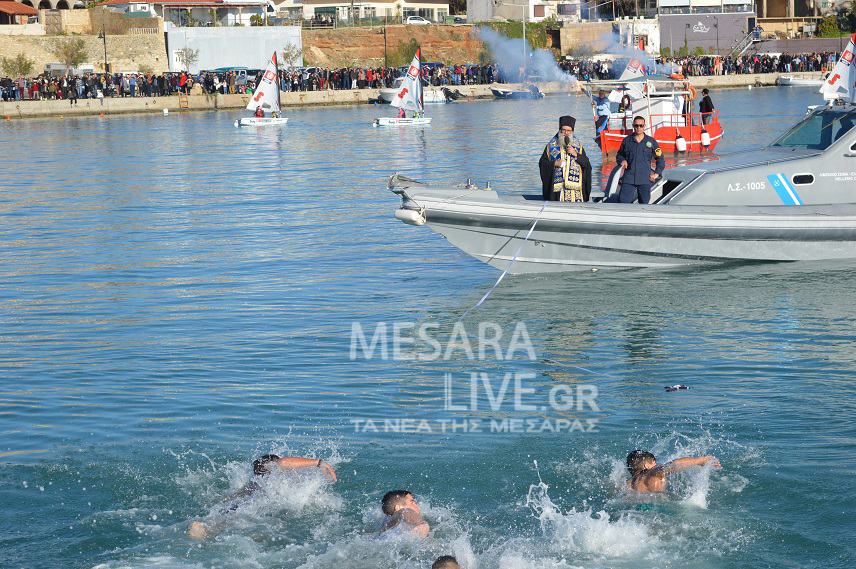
(784, 189)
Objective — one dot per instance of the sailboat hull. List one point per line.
(396, 121)
(261, 121)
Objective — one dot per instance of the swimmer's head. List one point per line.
(261, 465)
(398, 500)
(445, 562)
(640, 461)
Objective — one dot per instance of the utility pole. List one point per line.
(103, 36)
(525, 51)
(716, 25)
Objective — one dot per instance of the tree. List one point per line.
(187, 57)
(18, 66)
(291, 55)
(256, 20)
(71, 52)
(403, 53)
(828, 27)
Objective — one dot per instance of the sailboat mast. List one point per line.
(278, 83)
(421, 86)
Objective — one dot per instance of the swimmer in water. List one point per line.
(445, 562)
(261, 467)
(648, 476)
(399, 506)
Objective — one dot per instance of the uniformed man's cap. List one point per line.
(567, 120)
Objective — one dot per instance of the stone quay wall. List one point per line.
(110, 106)
(124, 52)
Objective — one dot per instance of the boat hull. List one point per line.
(569, 237)
(429, 96)
(261, 121)
(507, 94)
(791, 81)
(396, 121)
(666, 137)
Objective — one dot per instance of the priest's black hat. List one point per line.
(567, 120)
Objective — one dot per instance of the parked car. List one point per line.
(460, 20)
(417, 21)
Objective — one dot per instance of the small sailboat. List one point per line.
(408, 98)
(266, 97)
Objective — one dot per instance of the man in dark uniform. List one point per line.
(635, 155)
(705, 107)
(564, 166)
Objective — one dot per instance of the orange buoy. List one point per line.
(676, 76)
(693, 93)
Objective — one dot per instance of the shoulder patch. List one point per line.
(658, 152)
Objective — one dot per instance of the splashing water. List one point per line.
(586, 531)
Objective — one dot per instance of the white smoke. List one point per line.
(624, 53)
(510, 56)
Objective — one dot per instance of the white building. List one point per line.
(535, 10)
(391, 10)
(195, 12)
(635, 31)
(220, 47)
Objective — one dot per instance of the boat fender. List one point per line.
(705, 138)
(680, 143)
(613, 184)
(693, 92)
(410, 216)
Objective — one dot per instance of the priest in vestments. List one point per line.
(565, 167)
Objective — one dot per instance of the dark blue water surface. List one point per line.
(179, 296)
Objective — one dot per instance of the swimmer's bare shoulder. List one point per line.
(654, 479)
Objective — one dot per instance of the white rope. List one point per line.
(510, 264)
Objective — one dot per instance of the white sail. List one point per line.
(409, 97)
(266, 94)
(841, 82)
(634, 70)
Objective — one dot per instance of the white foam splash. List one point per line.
(586, 531)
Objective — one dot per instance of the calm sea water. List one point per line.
(178, 296)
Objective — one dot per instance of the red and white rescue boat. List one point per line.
(666, 105)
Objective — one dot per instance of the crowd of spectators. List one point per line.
(589, 70)
(99, 85)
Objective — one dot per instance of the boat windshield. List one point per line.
(819, 130)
